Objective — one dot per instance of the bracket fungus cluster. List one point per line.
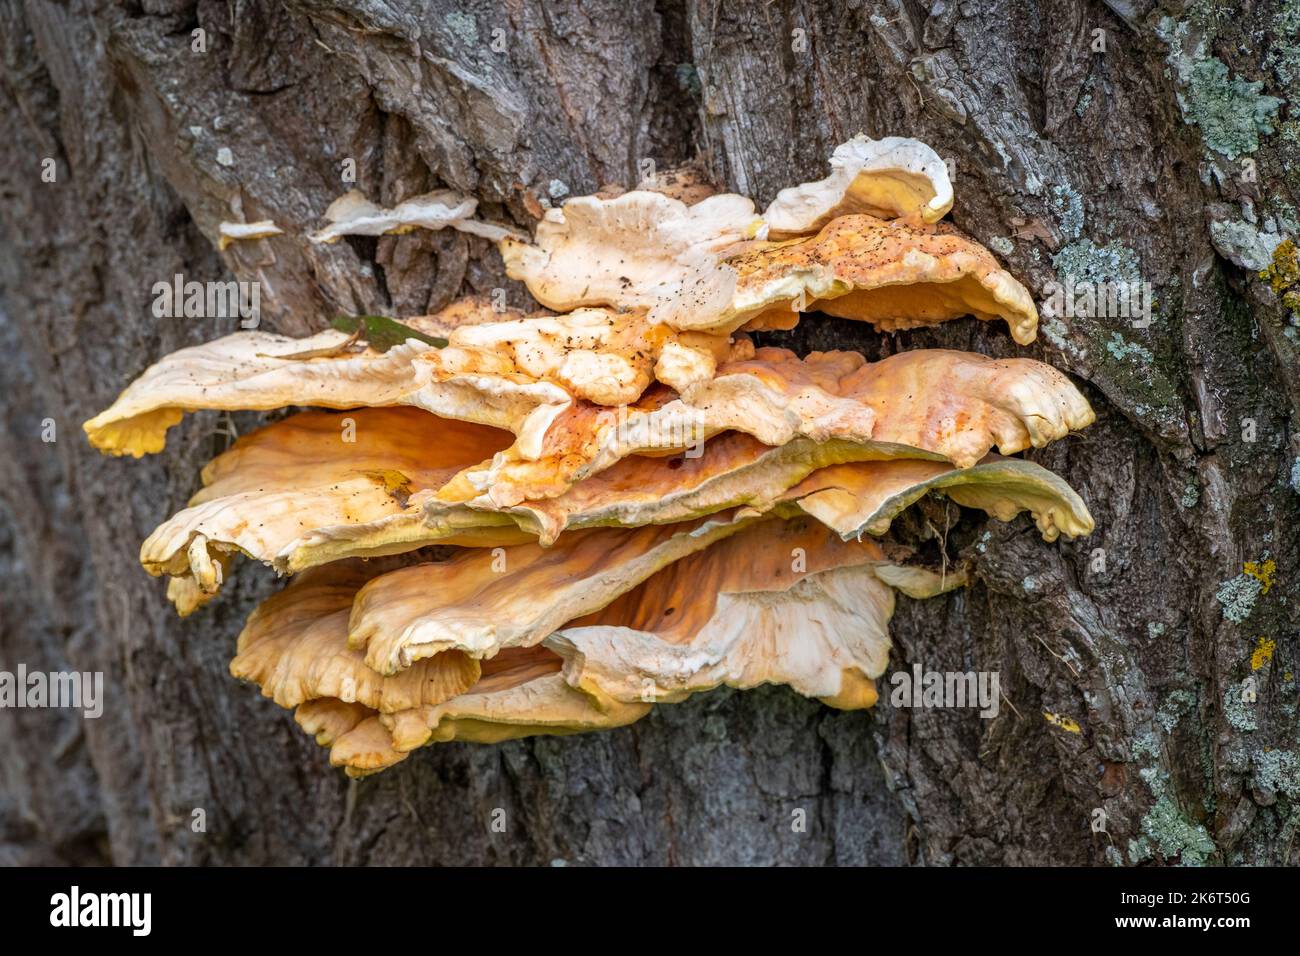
(511, 523)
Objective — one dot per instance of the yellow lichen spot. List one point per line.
(1284, 271)
(1261, 571)
(1263, 653)
(1068, 724)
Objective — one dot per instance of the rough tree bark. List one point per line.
(1116, 162)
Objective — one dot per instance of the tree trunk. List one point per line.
(1129, 156)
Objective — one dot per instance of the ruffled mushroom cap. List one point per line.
(259, 371)
(920, 404)
(352, 214)
(780, 602)
(230, 232)
(887, 178)
(644, 247)
(775, 397)
(597, 355)
(295, 493)
(514, 372)
(783, 602)
(365, 749)
(864, 498)
(849, 486)
(628, 252)
(327, 718)
(890, 274)
(482, 601)
(295, 648)
(522, 694)
(961, 405)
(733, 470)
(246, 370)
(318, 486)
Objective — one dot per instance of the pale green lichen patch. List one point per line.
(1231, 113)
(1276, 771)
(1240, 242)
(463, 25)
(1173, 835)
(1165, 830)
(1284, 214)
(1284, 57)
(1146, 745)
(1191, 494)
(1067, 205)
(1109, 295)
(1175, 707)
(1086, 261)
(1209, 16)
(1120, 349)
(1085, 97)
(1295, 476)
(1139, 850)
(1238, 596)
(1056, 332)
(1237, 711)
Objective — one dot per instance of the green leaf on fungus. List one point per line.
(383, 333)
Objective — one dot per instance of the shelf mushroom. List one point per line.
(890, 178)
(633, 504)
